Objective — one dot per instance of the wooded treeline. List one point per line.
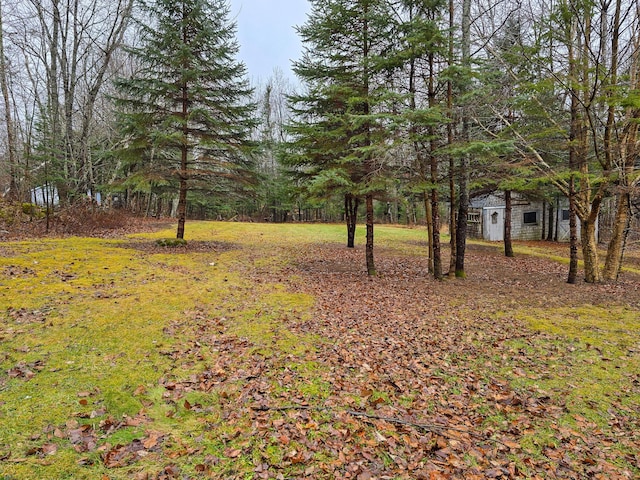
(403, 108)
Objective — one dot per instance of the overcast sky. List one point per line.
(266, 34)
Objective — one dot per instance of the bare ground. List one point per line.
(416, 373)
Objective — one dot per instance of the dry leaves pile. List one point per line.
(81, 219)
(412, 368)
(410, 378)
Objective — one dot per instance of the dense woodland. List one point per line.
(403, 110)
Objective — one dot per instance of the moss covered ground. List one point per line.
(128, 358)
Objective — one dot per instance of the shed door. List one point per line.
(493, 224)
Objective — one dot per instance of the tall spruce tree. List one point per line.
(188, 107)
(422, 47)
(320, 144)
(341, 139)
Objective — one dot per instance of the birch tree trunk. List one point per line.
(13, 192)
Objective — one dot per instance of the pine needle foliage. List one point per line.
(341, 137)
(187, 111)
(341, 140)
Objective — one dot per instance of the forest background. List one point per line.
(272, 354)
(407, 107)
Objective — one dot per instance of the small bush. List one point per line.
(16, 214)
(32, 210)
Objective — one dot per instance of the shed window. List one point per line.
(530, 217)
(565, 215)
(494, 218)
(473, 218)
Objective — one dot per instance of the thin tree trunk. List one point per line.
(371, 269)
(429, 217)
(421, 163)
(13, 193)
(47, 200)
(551, 222)
(147, 212)
(184, 153)
(573, 234)
(463, 207)
(463, 210)
(433, 170)
(558, 216)
(574, 136)
(437, 257)
(590, 250)
(182, 205)
(508, 246)
(452, 169)
(615, 251)
(351, 204)
(452, 218)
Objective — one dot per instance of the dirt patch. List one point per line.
(194, 246)
(416, 363)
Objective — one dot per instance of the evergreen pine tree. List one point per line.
(188, 109)
(341, 139)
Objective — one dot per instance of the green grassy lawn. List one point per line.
(103, 342)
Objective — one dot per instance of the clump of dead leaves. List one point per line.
(413, 367)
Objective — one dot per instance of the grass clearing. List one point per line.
(595, 367)
(85, 326)
(107, 345)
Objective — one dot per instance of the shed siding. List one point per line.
(485, 210)
(526, 231)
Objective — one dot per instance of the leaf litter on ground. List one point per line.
(397, 376)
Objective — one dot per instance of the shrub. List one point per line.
(32, 210)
